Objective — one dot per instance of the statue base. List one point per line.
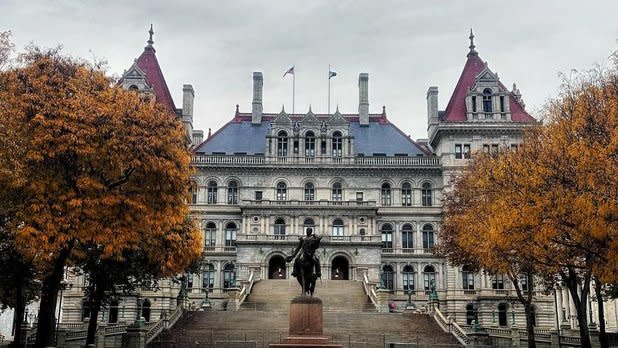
(306, 325)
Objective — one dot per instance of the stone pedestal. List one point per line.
(306, 325)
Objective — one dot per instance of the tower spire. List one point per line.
(150, 32)
(472, 46)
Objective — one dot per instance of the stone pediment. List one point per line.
(282, 118)
(487, 76)
(134, 72)
(310, 119)
(337, 119)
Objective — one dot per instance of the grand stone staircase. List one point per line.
(349, 319)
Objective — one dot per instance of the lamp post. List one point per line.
(410, 305)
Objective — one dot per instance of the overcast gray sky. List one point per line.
(405, 46)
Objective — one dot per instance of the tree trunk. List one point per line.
(96, 299)
(603, 339)
(95, 308)
(529, 325)
(580, 305)
(46, 328)
(18, 317)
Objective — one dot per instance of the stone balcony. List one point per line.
(262, 161)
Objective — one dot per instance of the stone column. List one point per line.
(515, 337)
(135, 336)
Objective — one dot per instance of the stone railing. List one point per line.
(294, 238)
(370, 290)
(449, 325)
(246, 289)
(164, 323)
(320, 203)
(248, 160)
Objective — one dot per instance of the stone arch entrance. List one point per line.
(276, 267)
(340, 268)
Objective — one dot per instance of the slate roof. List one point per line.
(456, 108)
(380, 137)
(149, 64)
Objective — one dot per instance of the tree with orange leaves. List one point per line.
(551, 208)
(489, 223)
(97, 167)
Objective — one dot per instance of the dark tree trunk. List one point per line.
(96, 299)
(603, 339)
(580, 304)
(18, 317)
(46, 328)
(529, 325)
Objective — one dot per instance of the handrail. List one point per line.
(369, 290)
(449, 325)
(246, 289)
(163, 323)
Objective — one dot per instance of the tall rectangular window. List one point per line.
(466, 151)
(502, 109)
(497, 281)
(473, 104)
(458, 151)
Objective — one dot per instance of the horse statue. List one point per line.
(306, 265)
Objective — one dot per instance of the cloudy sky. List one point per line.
(405, 46)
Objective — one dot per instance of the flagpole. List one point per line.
(328, 108)
(293, 90)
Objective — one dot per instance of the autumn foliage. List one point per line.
(550, 209)
(91, 165)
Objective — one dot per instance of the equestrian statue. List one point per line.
(306, 265)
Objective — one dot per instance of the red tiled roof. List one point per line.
(456, 108)
(147, 61)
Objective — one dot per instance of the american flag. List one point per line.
(290, 71)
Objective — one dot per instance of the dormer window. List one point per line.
(282, 144)
(337, 144)
(309, 144)
(133, 88)
(487, 103)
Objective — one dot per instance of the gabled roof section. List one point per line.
(380, 137)
(473, 70)
(149, 64)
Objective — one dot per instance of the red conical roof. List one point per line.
(148, 63)
(456, 108)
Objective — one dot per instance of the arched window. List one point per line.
(428, 238)
(279, 228)
(309, 144)
(502, 314)
(388, 277)
(337, 144)
(282, 144)
(426, 195)
(146, 310)
(387, 236)
(212, 192)
(112, 318)
(406, 194)
(309, 192)
(210, 235)
(429, 278)
(470, 314)
(487, 103)
(229, 276)
(467, 278)
(232, 193)
(133, 88)
(282, 191)
(337, 194)
(193, 192)
(407, 240)
(230, 234)
(208, 277)
(386, 194)
(189, 280)
(408, 278)
(308, 224)
(337, 229)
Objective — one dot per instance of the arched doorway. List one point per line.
(276, 267)
(340, 268)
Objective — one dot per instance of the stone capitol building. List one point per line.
(372, 192)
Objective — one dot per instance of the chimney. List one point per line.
(363, 99)
(432, 106)
(187, 108)
(256, 110)
(198, 137)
